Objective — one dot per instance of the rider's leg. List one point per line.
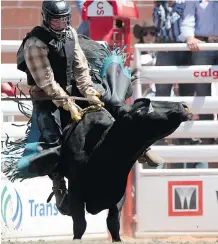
(77, 210)
(49, 122)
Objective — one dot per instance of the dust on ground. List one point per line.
(126, 240)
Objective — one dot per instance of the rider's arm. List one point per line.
(81, 70)
(36, 57)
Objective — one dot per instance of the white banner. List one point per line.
(25, 213)
(178, 74)
(177, 204)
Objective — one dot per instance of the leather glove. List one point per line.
(70, 105)
(94, 96)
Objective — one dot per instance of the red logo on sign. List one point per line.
(100, 8)
(210, 73)
(185, 198)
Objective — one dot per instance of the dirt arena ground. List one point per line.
(169, 240)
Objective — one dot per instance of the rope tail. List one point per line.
(14, 150)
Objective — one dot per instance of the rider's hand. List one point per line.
(192, 43)
(95, 99)
(93, 95)
(70, 105)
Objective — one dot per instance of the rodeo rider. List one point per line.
(51, 56)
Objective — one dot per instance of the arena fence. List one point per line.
(179, 201)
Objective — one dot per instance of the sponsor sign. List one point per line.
(100, 9)
(11, 207)
(26, 214)
(185, 198)
(207, 74)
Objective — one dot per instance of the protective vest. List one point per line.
(61, 56)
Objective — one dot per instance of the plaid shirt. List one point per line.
(167, 19)
(36, 57)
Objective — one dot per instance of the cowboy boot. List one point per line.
(59, 189)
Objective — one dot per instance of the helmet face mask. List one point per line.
(59, 27)
(57, 17)
(60, 24)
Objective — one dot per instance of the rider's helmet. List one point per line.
(57, 17)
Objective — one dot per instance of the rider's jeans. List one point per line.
(50, 122)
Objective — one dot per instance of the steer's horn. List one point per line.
(151, 158)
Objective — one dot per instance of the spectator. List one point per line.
(199, 25)
(147, 33)
(84, 26)
(167, 17)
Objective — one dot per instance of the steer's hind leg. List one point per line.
(77, 207)
(113, 220)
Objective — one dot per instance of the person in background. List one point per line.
(167, 16)
(84, 26)
(147, 33)
(199, 25)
